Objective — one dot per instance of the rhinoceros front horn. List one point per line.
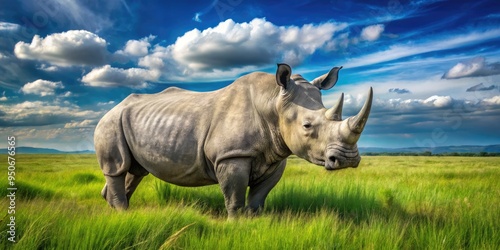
(357, 123)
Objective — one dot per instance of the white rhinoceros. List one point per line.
(238, 136)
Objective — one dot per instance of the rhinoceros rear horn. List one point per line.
(327, 81)
(335, 113)
(357, 123)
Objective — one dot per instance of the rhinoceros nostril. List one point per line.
(332, 158)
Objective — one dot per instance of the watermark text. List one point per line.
(11, 188)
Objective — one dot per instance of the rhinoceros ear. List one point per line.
(283, 74)
(327, 81)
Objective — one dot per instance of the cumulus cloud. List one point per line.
(40, 113)
(222, 52)
(70, 48)
(108, 76)
(481, 87)
(136, 48)
(474, 67)
(217, 53)
(41, 87)
(232, 48)
(399, 91)
(413, 105)
(372, 32)
(495, 100)
(258, 42)
(439, 101)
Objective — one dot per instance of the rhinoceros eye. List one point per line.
(307, 125)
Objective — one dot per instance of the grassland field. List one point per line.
(388, 202)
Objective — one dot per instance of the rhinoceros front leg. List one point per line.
(233, 176)
(259, 191)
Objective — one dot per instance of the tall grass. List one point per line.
(387, 203)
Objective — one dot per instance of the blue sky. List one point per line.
(434, 65)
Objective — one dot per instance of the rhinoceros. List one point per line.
(238, 137)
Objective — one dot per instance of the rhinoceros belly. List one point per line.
(166, 137)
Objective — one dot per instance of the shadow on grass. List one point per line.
(84, 178)
(207, 199)
(353, 203)
(26, 191)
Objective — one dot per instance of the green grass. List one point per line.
(386, 203)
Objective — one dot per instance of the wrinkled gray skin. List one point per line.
(238, 136)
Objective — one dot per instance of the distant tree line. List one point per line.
(429, 153)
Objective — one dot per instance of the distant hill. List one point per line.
(32, 150)
(435, 150)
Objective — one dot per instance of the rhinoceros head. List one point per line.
(313, 132)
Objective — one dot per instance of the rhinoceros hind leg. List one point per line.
(134, 176)
(131, 183)
(114, 192)
(104, 191)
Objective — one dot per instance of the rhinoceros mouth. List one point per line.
(318, 162)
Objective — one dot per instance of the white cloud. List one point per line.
(41, 87)
(48, 68)
(67, 94)
(53, 136)
(439, 101)
(230, 48)
(137, 48)
(105, 103)
(495, 100)
(253, 43)
(5, 26)
(476, 66)
(81, 124)
(108, 76)
(40, 113)
(74, 47)
(372, 32)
